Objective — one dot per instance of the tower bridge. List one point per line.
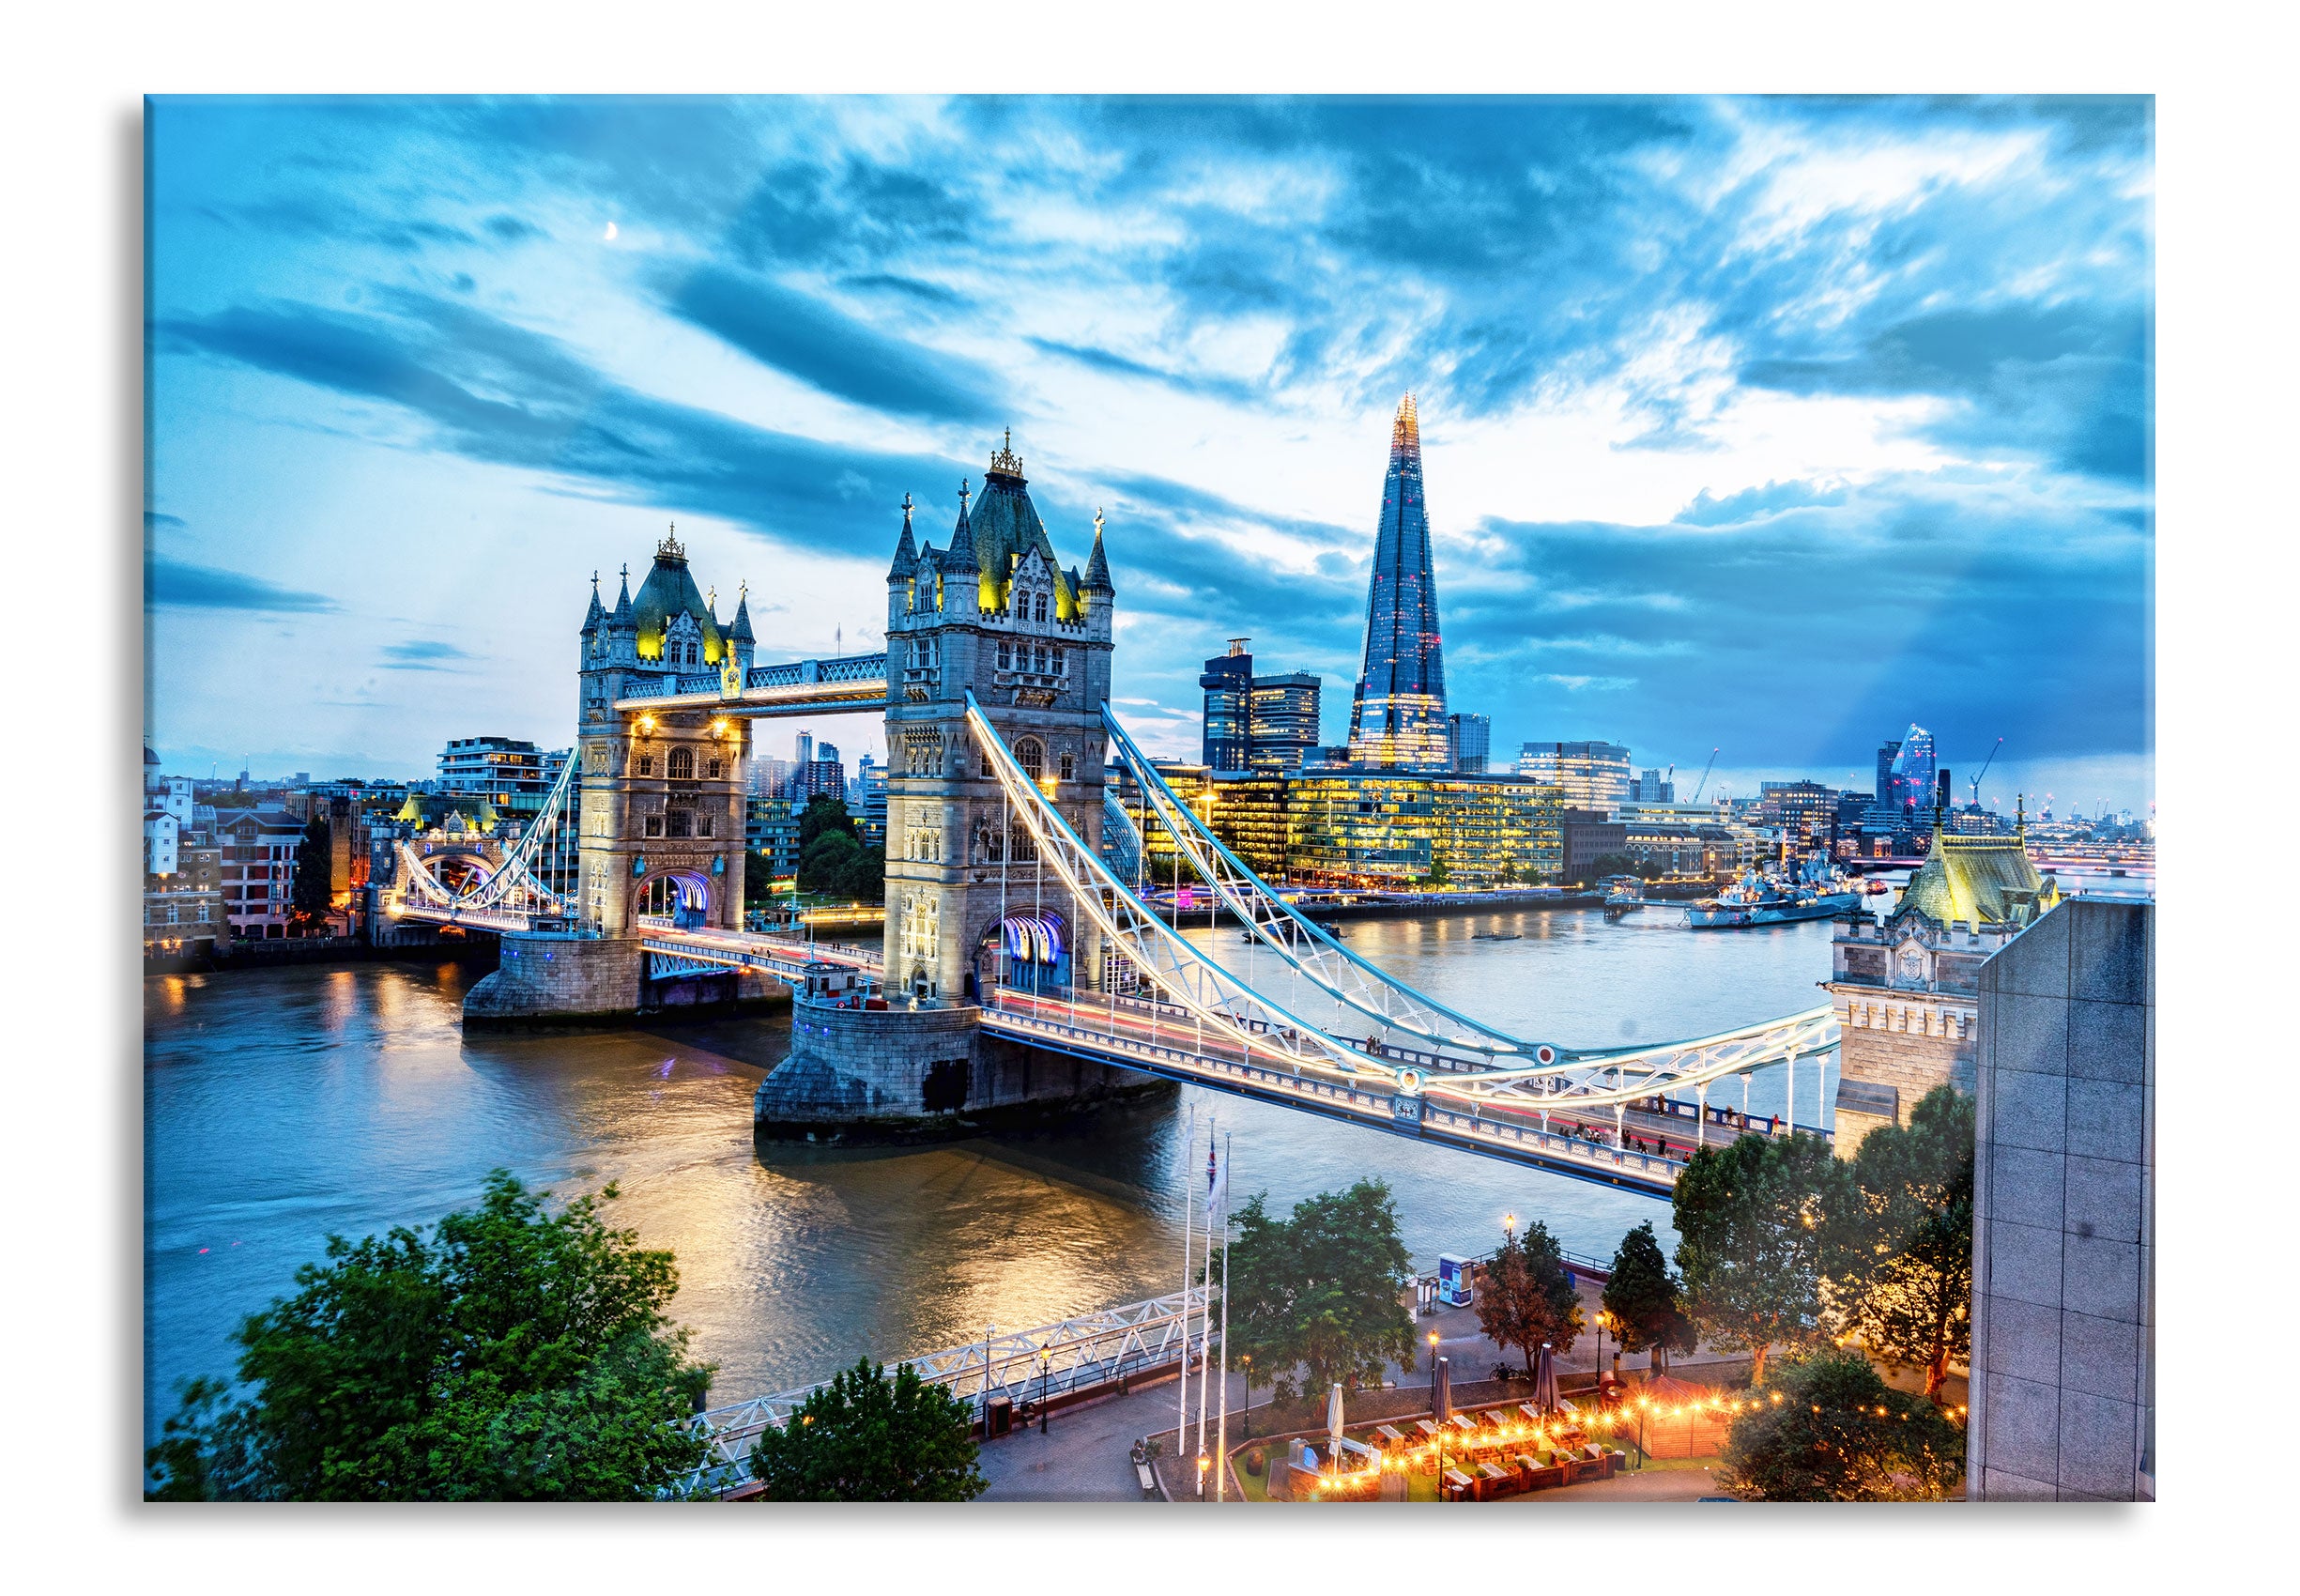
(1023, 972)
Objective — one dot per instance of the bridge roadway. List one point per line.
(1167, 1041)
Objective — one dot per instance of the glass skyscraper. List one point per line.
(1909, 783)
(1397, 717)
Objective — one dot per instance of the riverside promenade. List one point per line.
(1084, 1456)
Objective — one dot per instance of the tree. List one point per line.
(1642, 1299)
(1901, 1258)
(512, 1355)
(1321, 1291)
(827, 864)
(824, 814)
(1527, 1296)
(865, 1438)
(314, 887)
(1749, 1220)
(1838, 1432)
(758, 881)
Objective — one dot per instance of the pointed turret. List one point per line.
(622, 618)
(906, 552)
(960, 554)
(1098, 565)
(596, 614)
(741, 631)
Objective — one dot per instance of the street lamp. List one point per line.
(1203, 1463)
(1509, 1226)
(1045, 1388)
(1246, 1365)
(1433, 1374)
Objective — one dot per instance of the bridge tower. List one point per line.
(662, 791)
(993, 612)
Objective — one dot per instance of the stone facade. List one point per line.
(903, 1075)
(994, 615)
(2063, 1255)
(1908, 1002)
(546, 978)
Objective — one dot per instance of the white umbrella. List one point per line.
(1333, 1416)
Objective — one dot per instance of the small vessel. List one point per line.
(1624, 895)
(1498, 936)
(1818, 891)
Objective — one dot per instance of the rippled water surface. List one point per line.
(282, 1105)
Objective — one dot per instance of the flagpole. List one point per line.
(1206, 1340)
(1190, 1199)
(1222, 1425)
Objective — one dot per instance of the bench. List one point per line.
(1149, 1480)
(1456, 1486)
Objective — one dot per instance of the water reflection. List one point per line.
(285, 1104)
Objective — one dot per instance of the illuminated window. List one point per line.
(682, 764)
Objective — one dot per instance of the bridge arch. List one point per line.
(682, 896)
(1030, 946)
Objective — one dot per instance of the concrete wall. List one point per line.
(542, 978)
(2063, 1331)
(920, 1074)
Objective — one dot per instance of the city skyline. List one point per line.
(1767, 425)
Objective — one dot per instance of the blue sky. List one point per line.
(1768, 426)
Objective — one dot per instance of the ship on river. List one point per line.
(1818, 891)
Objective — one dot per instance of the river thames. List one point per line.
(282, 1105)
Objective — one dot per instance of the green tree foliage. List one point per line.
(832, 858)
(1901, 1243)
(1321, 1291)
(825, 814)
(1751, 1222)
(758, 881)
(512, 1355)
(1528, 1298)
(314, 874)
(1643, 1298)
(1839, 1433)
(866, 1439)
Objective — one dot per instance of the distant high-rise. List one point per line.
(1595, 776)
(1884, 771)
(1397, 717)
(1910, 781)
(1469, 738)
(1229, 684)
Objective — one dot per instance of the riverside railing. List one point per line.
(1067, 1358)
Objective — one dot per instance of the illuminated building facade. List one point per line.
(1804, 811)
(1398, 715)
(1285, 723)
(1469, 740)
(1364, 829)
(1909, 780)
(1594, 775)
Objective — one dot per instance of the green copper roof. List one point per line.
(1005, 526)
(668, 592)
(1979, 879)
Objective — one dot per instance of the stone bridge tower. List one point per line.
(662, 792)
(994, 612)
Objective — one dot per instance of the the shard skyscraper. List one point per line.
(1397, 717)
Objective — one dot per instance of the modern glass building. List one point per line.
(1398, 715)
(1469, 738)
(1364, 829)
(1595, 776)
(1229, 684)
(1912, 778)
(1285, 723)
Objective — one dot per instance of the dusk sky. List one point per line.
(1768, 426)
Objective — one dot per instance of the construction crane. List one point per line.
(1704, 770)
(1985, 764)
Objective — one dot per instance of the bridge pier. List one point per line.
(545, 979)
(922, 1075)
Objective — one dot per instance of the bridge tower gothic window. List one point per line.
(682, 764)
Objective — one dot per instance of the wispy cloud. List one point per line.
(173, 584)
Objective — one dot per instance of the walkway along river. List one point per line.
(283, 1104)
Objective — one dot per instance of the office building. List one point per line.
(1365, 828)
(1228, 681)
(1909, 778)
(1268, 724)
(1284, 725)
(1469, 738)
(870, 805)
(1398, 713)
(1805, 811)
(770, 829)
(500, 769)
(1652, 787)
(1593, 775)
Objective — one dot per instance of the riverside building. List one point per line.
(1267, 724)
(1594, 775)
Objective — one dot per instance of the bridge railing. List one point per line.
(1047, 1362)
